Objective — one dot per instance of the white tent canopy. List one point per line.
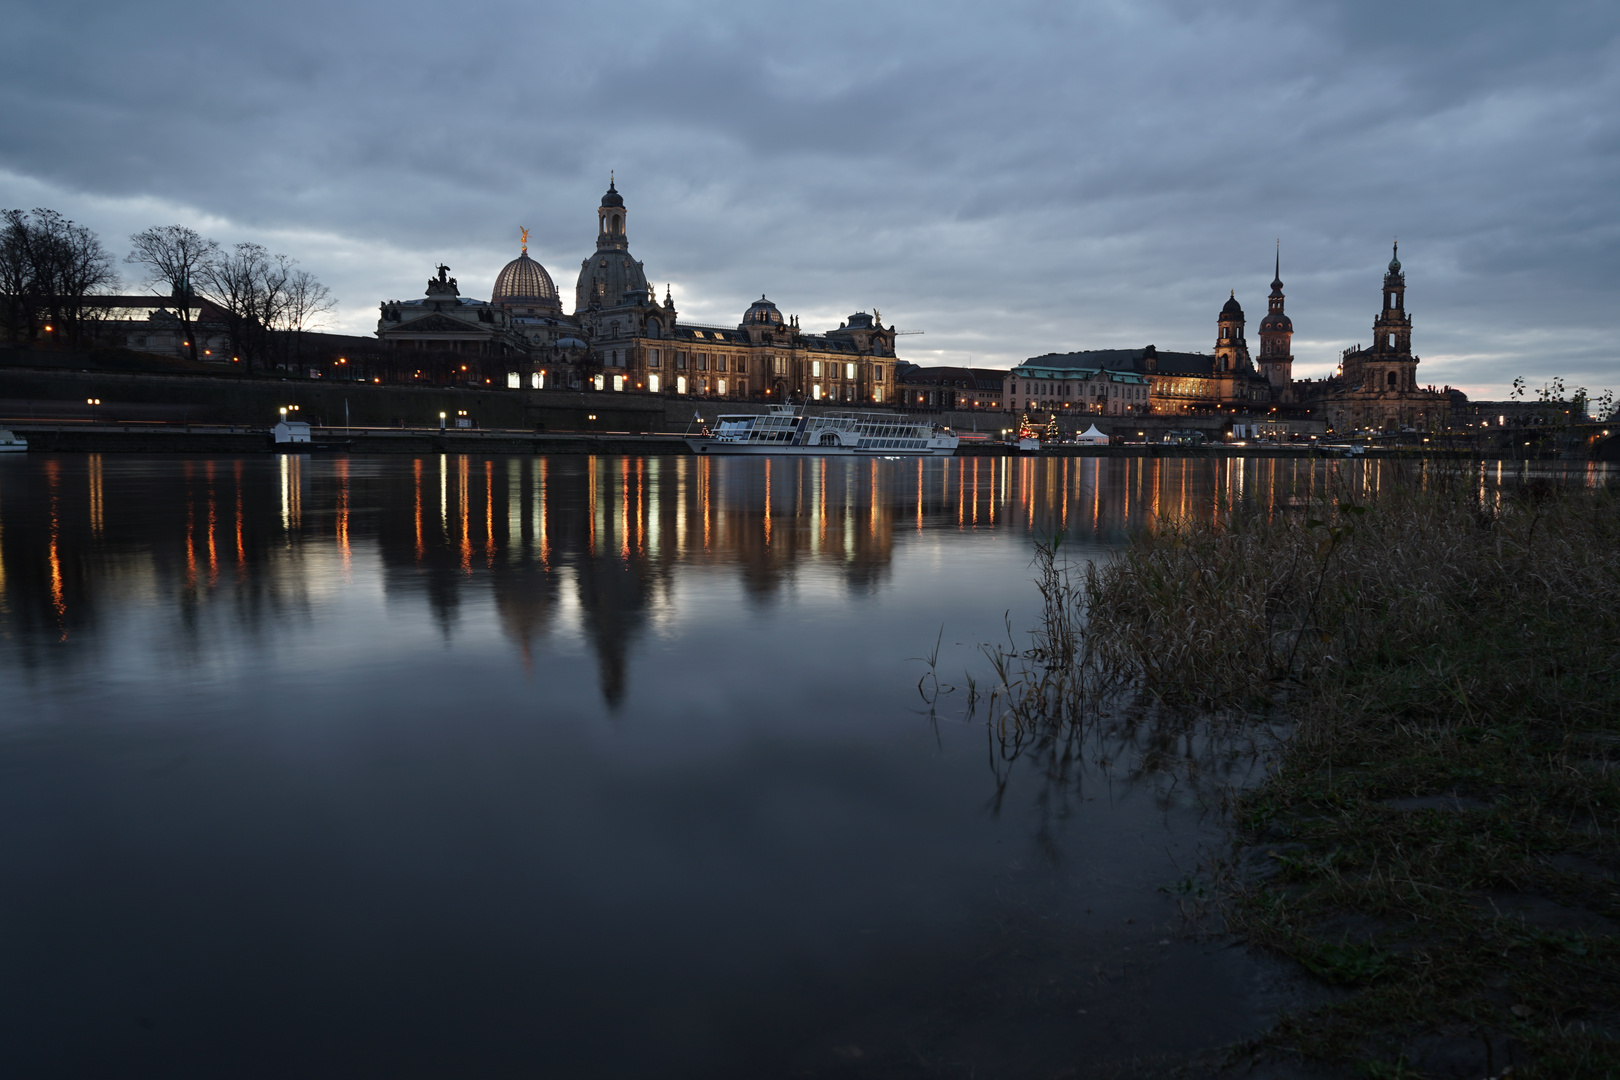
(1092, 436)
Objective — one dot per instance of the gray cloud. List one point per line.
(1014, 180)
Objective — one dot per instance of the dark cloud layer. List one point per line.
(1011, 180)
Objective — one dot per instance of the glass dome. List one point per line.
(524, 281)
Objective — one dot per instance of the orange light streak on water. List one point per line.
(641, 505)
(821, 503)
(95, 495)
(703, 493)
(191, 548)
(416, 472)
(872, 511)
(540, 496)
(590, 506)
(1063, 514)
(623, 466)
(464, 513)
(58, 591)
(919, 494)
(767, 502)
(489, 513)
(343, 512)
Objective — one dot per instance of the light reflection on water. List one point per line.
(584, 766)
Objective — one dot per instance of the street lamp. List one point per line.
(441, 422)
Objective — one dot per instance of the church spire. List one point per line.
(1277, 334)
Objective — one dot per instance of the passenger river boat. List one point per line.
(12, 444)
(786, 429)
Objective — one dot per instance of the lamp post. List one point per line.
(441, 423)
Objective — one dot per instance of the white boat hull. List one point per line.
(710, 446)
(786, 430)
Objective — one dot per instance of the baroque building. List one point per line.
(1376, 388)
(1119, 382)
(444, 327)
(621, 337)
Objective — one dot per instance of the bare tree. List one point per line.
(16, 277)
(174, 255)
(52, 270)
(305, 299)
(248, 285)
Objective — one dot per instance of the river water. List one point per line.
(594, 767)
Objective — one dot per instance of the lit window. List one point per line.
(597, 382)
(815, 391)
(719, 386)
(849, 371)
(680, 384)
(514, 381)
(618, 382)
(815, 368)
(652, 383)
(538, 380)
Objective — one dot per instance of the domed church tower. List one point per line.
(1276, 336)
(611, 278)
(1231, 350)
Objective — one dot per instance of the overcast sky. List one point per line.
(1011, 179)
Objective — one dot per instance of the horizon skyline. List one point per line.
(1010, 183)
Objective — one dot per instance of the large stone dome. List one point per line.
(525, 283)
(1276, 322)
(610, 278)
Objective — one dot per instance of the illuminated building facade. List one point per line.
(1122, 382)
(620, 337)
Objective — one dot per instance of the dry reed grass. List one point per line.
(1441, 831)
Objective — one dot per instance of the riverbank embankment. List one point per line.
(185, 438)
(1440, 834)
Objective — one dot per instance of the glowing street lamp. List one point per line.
(441, 422)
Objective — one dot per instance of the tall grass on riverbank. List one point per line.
(1441, 832)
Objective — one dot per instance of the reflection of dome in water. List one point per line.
(525, 282)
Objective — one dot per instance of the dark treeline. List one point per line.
(51, 270)
(58, 283)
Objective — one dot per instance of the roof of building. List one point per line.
(1232, 307)
(988, 379)
(762, 312)
(1165, 363)
(524, 281)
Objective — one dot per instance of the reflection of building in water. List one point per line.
(542, 547)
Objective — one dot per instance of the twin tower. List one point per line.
(1276, 339)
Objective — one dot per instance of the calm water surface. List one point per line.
(458, 766)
